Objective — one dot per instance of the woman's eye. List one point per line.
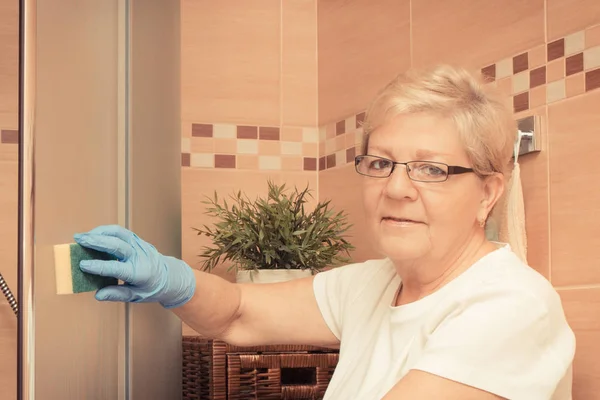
(431, 170)
(379, 164)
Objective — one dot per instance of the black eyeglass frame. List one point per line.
(452, 169)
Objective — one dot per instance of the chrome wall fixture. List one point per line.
(529, 130)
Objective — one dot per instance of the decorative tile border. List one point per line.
(564, 68)
(561, 69)
(227, 146)
(340, 141)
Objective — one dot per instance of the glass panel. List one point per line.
(71, 343)
(87, 164)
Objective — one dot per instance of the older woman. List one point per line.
(444, 314)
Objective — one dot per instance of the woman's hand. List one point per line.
(148, 275)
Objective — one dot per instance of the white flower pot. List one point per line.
(271, 275)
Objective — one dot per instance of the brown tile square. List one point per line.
(592, 80)
(202, 130)
(322, 163)
(489, 72)
(350, 154)
(330, 161)
(360, 118)
(247, 132)
(268, 133)
(574, 64)
(224, 161)
(537, 77)
(310, 164)
(520, 63)
(185, 159)
(521, 102)
(9, 136)
(340, 127)
(556, 49)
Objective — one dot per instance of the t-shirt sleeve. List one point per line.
(505, 342)
(328, 292)
(336, 289)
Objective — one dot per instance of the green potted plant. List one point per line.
(275, 238)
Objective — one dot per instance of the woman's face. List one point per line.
(409, 220)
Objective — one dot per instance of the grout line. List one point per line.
(577, 287)
(316, 3)
(546, 26)
(280, 65)
(546, 131)
(410, 32)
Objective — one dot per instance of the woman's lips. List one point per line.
(400, 222)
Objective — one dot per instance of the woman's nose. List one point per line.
(399, 185)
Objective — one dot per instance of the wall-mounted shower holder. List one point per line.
(530, 131)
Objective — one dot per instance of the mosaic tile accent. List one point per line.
(520, 63)
(229, 146)
(247, 132)
(537, 77)
(556, 49)
(563, 68)
(574, 64)
(592, 80)
(560, 69)
(202, 130)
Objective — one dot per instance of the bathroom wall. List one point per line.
(249, 110)
(314, 65)
(546, 56)
(9, 83)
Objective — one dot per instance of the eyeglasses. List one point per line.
(420, 171)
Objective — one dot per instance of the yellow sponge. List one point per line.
(69, 277)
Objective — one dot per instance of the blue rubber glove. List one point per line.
(148, 275)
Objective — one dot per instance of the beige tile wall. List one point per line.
(362, 45)
(312, 66)
(9, 84)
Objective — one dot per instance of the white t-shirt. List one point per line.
(499, 327)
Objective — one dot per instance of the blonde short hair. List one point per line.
(482, 116)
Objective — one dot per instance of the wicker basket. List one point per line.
(216, 371)
(196, 368)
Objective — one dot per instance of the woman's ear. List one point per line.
(493, 189)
